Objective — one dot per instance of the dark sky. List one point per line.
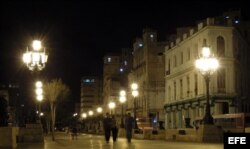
(78, 33)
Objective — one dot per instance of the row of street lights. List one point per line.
(122, 100)
(39, 96)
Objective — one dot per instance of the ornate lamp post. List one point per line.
(207, 65)
(37, 58)
(135, 93)
(122, 99)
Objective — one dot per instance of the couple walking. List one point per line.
(109, 125)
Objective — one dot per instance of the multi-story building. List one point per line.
(115, 77)
(111, 79)
(148, 73)
(185, 87)
(91, 93)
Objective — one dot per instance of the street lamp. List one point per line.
(207, 65)
(84, 115)
(122, 99)
(99, 110)
(99, 117)
(111, 106)
(39, 96)
(135, 93)
(37, 58)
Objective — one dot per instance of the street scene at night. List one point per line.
(124, 74)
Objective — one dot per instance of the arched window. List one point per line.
(220, 46)
(221, 80)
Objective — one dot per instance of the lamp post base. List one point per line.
(208, 119)
(210, 133)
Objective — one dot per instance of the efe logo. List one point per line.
(236, 140)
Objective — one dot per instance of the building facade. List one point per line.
(148, 73)
(185, 87)
(91, 93)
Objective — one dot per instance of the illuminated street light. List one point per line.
(135, 93)
(35, 59)
(111, 106)
(99, 110)
(207, 65)
(91, 113)
(84, 115)
(122, 99)
(39, 93)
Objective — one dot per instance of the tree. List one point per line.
(3, 112)
(55, 91)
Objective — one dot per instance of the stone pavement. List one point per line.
(86, 141)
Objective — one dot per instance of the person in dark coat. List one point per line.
(107, 124)
(73, 132)
(129, 125)
(114, 128)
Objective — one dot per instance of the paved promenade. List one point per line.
(86, 141)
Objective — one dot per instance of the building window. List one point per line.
(181, 57)
(195, 85)
(169, 93)
(109, 59)
(221, 80)
(220, 46)
(174, 90)
(175, 61)
(181, 88)
(196, 51)
(125, 63)
(169, 65)
(188, 86)
(188, 54)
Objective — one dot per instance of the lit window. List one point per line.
(121, 69)
(152, 36)
(109, 59)
(140, 45)
(237, 21)
(86, 81)
(125, 63)
(227, 17)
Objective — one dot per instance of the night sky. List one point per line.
(77, 34)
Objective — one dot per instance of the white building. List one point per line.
(185, 87)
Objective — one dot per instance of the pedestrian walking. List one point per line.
(114, 129)
(107, 124)
(129, 125)
(73, 132)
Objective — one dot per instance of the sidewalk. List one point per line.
(86, 141)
